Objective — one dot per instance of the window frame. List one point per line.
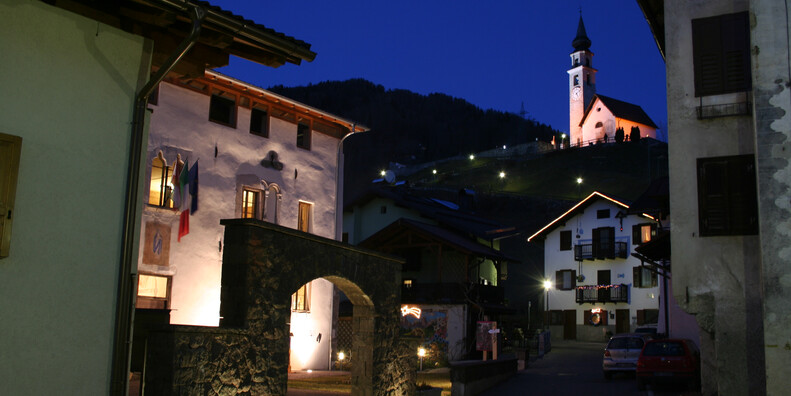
(263, 124)
(218, 97)
(565, 240)
(149, 302)
(637, 233)
(257, 204)
(560, 281)
(304, 216)
(165, 173)
(639, 275)
(304, 135)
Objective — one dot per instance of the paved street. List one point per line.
(573, 368)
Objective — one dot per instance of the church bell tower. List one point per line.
(582, 82)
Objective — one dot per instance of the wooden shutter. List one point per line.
(610, 242)
(587, 318)
(720, 53)
(654, 279)
(637, 235)
(573, 280)
(558, 280)
(565, 240)
(596, 242)
(10, 148)
(636, 278)
(727, 196)
(640, 317)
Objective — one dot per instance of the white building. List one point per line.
(259, 155)
(593, 117)
(595, 285)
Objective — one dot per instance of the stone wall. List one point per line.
(263, 265)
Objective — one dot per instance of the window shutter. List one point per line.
(610, 241)
(587, 317)
(743, 193)
(654, 279)
(727, 196)
(565, 240)
(636, 235)
(712, 197)
(573, 280)
(721, 54)
(596, 242)
(736, 52)
(10, 148)
(605, 317)
(707, 56)
(636, 277)
(558, 280)
(640, 317)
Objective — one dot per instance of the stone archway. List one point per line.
(264, 263)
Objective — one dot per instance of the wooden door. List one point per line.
(622, 321)
(570, 324)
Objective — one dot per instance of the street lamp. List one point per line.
(341, 356)
(472, 157)
(421, 352)
(502, 175)
(562, 138)
(547, 287)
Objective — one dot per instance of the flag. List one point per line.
(184, 217)
(193, 180)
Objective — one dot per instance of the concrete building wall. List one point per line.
(229, 159)
(68, 87)
(621, 270)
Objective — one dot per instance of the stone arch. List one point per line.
(263, 264)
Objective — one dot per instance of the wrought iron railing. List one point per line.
(601, 251)
(603, 293)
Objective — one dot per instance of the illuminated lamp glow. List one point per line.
(593, 194)
(595, 310)
(434, 171)
(547, 284)
(472, 156)
(303, 343)
(310, 371)
(382, 173)
(421, 351)
(502, 175)
(407, 310)
(341, 356)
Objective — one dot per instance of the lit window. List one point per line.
(160, 192)
(303, 220)
(408, 283)
(300, 301)
(642, 233)
(153, 292)
(250, 200)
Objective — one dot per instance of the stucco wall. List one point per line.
(68, 88)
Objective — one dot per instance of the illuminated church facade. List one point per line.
(595, 118)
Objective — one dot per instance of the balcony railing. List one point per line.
(589, 251)
(603, 293)
(451, 293)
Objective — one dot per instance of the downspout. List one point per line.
(127, 278)
(339, 184)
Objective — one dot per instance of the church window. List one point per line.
(721, 54)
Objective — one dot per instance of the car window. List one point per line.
(664, 349)
(617, 343)
(635, 343)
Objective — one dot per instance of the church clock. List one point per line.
(576, 93)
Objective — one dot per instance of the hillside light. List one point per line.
(434, 172)
(382, 173)
(472, 157)
(504, 147)
(502, 175)
(579, 180)
(422, 353)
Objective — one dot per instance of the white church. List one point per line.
(594, 118)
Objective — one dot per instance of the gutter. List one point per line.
(127, 278)
(339, 184)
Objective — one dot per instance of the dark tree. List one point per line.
(619, 133)
(634, 135)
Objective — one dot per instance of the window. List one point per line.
(647, 316)
(643, 277)
(153, 291)
(576, 80)
(721, 54)
(565, 240)
(408, 283)
(599, 124)
(222, 108)
(556, 318)
(603, 213)
(10, 148)
(565, 279)
(160, 190)
(642, 233)
(303, 135)
(259, 122)
(250, 203)
(300, 301)
(603, 242)
(727, 196)
(303, 219)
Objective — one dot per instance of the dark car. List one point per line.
(671, 360)
(621, 353)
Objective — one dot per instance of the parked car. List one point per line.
(621, 353)
(671, 360)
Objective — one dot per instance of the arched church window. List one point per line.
(599, 124)
(576, 80)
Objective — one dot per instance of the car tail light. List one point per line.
(640, 364)
(606, 353)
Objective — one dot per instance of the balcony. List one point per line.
(601, 251)
(603, 294)
(451, 293)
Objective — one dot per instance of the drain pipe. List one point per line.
(127, 277)
(339, 184)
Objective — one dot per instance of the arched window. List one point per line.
(576, 80)
(160, 192)
(272, 197)
(599, 124)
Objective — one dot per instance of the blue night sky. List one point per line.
(494, 55)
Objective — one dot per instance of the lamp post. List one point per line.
(547, 287)
(421, 352)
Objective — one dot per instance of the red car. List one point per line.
(669, 360)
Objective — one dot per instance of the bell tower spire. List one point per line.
(582, 81)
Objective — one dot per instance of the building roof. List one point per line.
(448, 214)
(620, 109)
(437, 233)
(578, 208)
(223, 33)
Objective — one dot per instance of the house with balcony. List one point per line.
(594, 285)
(453, 267)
